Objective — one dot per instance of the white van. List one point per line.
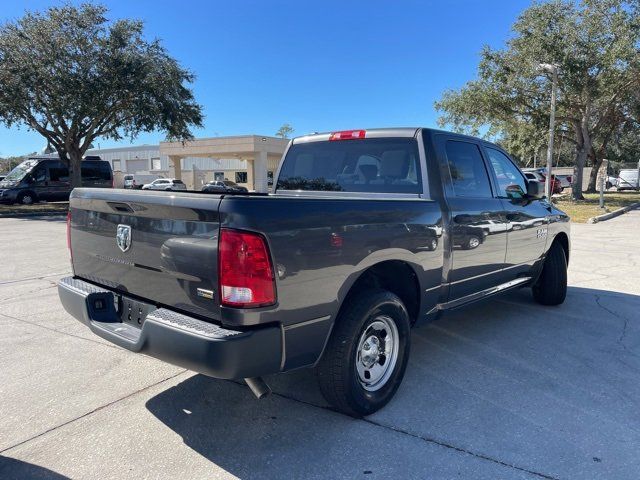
(137, 180)
(628, 179)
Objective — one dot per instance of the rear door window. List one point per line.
(468, 173)
(376, 165)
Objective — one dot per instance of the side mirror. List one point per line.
(535, 189)
(514, 192)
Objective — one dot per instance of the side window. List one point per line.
(468, 173)
(59, 174)
(507, 174)
(40, 174)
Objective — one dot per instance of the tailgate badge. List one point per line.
(201, 292)
(123, 237)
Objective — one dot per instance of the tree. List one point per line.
(73, 76)
(285, 131)
(595, 43)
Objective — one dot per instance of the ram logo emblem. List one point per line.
(123, 237)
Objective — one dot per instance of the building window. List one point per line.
(269, 178)
(155, 164)
(218, 176)
(116, 166)
(241, 177)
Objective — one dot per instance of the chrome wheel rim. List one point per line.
(377, 353)
(474, 242)
(27, 200)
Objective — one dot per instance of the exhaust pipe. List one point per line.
(258, 386)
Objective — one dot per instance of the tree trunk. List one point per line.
(576, 187)
(593, 177)
(75, 168)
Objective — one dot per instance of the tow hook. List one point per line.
(258, 386)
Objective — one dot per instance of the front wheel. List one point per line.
(365, 359)
(551, 286)
(27, 198)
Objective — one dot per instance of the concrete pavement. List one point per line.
(504, 389)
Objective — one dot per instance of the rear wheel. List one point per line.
(367, 354)
(551, 287)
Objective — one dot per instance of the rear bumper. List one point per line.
(176, 338)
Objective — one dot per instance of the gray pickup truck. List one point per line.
(367, 234)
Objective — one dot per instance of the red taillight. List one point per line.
(348, 135)
(336, 240)
(245, 273)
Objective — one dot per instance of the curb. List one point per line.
(615, 213)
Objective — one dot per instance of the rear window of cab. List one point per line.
(375, 165)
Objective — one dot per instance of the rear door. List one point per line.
(527, 219)
(477, 228)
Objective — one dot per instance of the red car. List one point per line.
(556, 184)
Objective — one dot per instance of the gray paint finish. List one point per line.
(319, 245)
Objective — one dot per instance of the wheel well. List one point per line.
(563, 240)
(395, 276)
(24, 192)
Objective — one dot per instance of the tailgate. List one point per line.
(159, 246)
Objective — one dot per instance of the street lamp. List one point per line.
(553, 70)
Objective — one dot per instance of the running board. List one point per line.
(458, 302)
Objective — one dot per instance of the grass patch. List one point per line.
(44, 207)
(582, 210)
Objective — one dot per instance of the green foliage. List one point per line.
(595, 44)
(73, 76)
(285, 131)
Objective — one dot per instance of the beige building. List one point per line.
(249, 160)
(261, 155)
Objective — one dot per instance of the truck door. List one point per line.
(477, 228)
(527, 219)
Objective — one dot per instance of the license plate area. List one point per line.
(132, 311)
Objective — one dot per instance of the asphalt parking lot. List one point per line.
(505, 389)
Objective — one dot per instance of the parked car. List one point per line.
(138, 180)
(565, 180)
(541, 176)
(611, 182)
(46, 178)
(165, 184)
(330, 271)
(628, 180)
(218, 186)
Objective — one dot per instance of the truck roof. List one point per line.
(381, 132)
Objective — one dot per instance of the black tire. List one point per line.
(472, 242)
(27, 198)
(337, 373)
(551, 286)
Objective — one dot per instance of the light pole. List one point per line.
(553, 69)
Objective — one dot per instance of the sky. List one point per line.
(319, 66)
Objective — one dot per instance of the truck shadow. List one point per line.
(12, 469)
(505, 378)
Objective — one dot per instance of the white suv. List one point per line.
(165, 184)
